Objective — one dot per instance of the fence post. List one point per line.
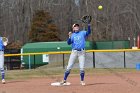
(10, 63)
(93, 59)
(34, 62)
(29, 62)
(63, 61)
(124, 60)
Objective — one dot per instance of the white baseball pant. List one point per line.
(1, 59)
(73, 56)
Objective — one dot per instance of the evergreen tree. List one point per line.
(43, 28)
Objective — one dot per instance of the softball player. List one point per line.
(2, 60)
(77, 39)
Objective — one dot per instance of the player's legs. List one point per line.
(2, 66)
(72, 58)
(81, 57)
(2, 74)
(70, 64)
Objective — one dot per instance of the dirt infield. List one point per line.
(110, 83)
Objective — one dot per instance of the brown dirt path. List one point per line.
(110, 83)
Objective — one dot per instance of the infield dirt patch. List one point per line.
(110, 83)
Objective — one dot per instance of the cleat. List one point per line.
(63, 82)
(82, 83)
(3, 81)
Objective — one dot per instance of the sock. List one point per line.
(2, 74)
(82, 74)
(67, 72)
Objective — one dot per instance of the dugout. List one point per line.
(12, 62)
(33, 61)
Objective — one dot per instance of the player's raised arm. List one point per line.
(87, 20)
(89, 30)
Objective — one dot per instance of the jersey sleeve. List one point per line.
(89, 30)
(69, 41)
(86, 33)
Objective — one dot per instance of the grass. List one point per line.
(53, 72)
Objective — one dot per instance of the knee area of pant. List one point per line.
(1, 69)
(67, 71)
(82, 71)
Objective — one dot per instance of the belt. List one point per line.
(1, 50)
(79, 49)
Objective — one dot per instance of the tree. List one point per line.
(43, 28)
(14, 45)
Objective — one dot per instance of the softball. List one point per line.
(100, 7)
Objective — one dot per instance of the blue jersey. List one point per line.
(78, 39)
(1, 44)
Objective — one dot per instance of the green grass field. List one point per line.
(49, 72)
